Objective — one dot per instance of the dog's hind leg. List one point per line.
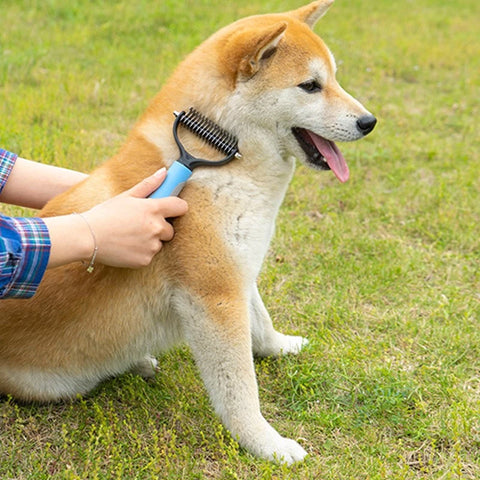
(219, 336)
(266, 341)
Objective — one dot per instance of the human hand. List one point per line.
(130, 229)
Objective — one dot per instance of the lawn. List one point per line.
(382, 274)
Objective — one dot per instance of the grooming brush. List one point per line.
(181, 170)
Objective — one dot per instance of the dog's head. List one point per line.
(282, 80)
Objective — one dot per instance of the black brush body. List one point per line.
(181, 170)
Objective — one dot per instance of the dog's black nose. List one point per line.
(366, 123)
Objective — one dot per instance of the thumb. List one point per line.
(148, 185)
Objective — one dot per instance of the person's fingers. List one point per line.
(148, 185)
(166, 232)
(170, 207)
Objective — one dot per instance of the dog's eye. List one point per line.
(311, 86)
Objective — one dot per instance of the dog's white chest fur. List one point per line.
(249, 208)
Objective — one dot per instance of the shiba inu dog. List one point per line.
(270, 81)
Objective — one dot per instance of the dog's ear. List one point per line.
(262, 45)
(311, 13)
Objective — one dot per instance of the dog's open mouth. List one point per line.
(322, 153)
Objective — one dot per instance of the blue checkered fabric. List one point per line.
(24, 246)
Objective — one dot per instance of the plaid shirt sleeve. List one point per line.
(7, 161)
(24, 246)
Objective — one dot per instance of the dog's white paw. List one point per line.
(285, 450)
(291, 344)
(270, 445)
(147, 368)
(279, 344)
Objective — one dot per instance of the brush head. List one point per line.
(209, 131)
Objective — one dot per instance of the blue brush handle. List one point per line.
(177, 175)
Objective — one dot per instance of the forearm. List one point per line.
(71, 240)
(33, 184)
(30, 245)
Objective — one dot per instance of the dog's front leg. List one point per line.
(266, 341)
(217, 330)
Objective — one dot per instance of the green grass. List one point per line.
(382, 273)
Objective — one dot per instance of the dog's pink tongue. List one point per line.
(332, 155)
